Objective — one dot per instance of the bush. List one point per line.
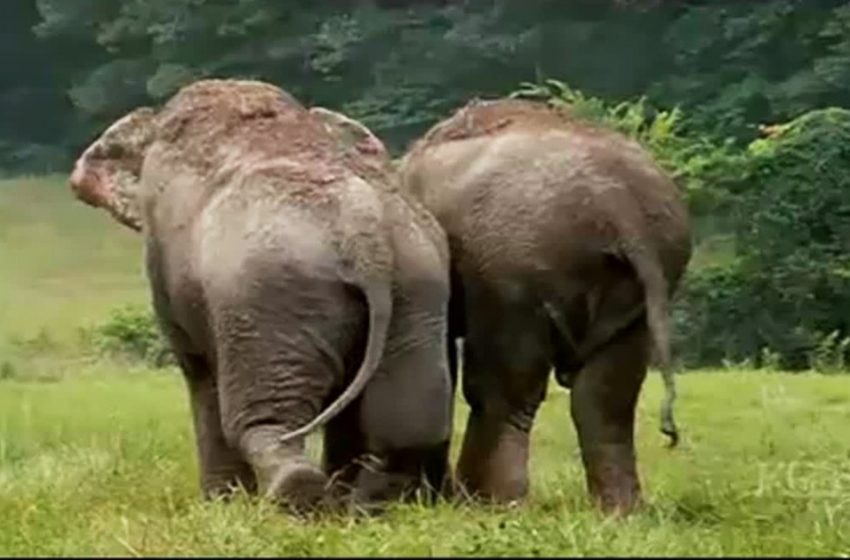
(788, 293)
(708, 303)
(8, 370)
(132, 333)
(794, 231)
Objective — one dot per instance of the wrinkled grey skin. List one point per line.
(283, 298)
(566, 242)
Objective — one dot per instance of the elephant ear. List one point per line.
(352, 135)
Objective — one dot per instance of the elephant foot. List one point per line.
(493, 463)
(224, 484)
(300, 486)
(224, 490)
(613, 483)
(375, 486)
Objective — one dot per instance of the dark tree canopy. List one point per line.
(400, 64)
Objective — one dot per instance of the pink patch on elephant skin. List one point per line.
(88, 187)
(370, 146)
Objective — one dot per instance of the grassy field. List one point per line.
(97, 458)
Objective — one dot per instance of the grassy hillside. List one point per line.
(97, 457)
(62, 264)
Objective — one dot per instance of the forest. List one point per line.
(744, 102)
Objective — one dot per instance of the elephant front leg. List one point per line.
(221, 466)
(504, 382)
(344, 443)
(603, 402)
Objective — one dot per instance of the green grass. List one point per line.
(62, 264)
(97, 457)
(101, 462)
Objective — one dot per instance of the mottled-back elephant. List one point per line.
(567, 242)
(296, 285)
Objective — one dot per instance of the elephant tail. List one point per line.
(379, 300)
(656, 303)
(651, 275)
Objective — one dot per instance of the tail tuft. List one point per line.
(655, 288)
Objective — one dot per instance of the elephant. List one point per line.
(298, 286)
(567, 243)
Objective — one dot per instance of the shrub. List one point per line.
(794, 231)
(709, 302)
(789, 290)
(8, 370)
(132, 333)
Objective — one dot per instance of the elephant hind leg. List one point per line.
(284, 473)
(506, 370)
(255, 419)
(222, 467)
(603, 402)
(281, 356)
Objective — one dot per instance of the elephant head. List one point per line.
(107, 173)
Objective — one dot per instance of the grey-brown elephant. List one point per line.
(567, 242)
(296, 285)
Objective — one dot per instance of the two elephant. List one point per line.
(304, 282)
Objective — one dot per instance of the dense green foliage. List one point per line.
(35, 117)
(400, 64)
(695, 81)
(794, 239)
(786, 295)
